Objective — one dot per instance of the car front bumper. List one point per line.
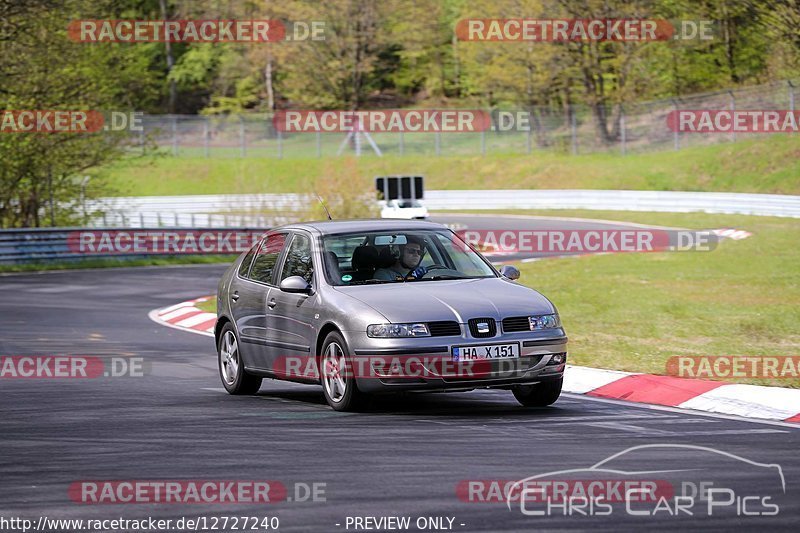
(426, 364)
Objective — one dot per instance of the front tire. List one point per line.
(538, 395)
(337, 375)
(231, 367)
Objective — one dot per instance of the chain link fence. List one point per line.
(577, 129)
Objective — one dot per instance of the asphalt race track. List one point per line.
(405, 456)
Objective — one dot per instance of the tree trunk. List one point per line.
(170, 61)
(456, 67)
(727, 32)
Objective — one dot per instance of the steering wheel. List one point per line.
(430, 274)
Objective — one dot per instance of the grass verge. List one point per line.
(766, 165)
(209, 306)
(634, 311)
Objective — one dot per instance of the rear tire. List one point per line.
(538, 395)
(231, 367)
(337, 375)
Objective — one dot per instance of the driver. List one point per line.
(407, 264)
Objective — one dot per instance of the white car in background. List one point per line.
(406, 209)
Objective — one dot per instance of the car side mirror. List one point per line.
(296, 285)
(510, 272)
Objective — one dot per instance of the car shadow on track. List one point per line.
(467, 405)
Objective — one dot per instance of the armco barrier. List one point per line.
(247, 209)
(777, 205)
(34, 245)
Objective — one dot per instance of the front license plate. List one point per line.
(489, 351)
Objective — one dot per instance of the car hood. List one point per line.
(459, 300)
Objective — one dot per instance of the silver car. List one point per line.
(373, 306)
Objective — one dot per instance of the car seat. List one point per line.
(365, 260)
(332, 266)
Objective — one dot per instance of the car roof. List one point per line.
(331, 227)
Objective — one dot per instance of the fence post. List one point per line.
(791, 96)
(622, 130)
(438, 143)
(319, 144)
(483, 142)
(242, 139)
(174, 135)
(141, 219)
(676, 141)
(402, 146)
(206, 133)
(280, 145)
(733, 112)
(529, 135)
(574, 129)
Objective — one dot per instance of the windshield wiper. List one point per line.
(441, 276)
(369, 282)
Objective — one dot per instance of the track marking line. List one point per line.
(680, 410)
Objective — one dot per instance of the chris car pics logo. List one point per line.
(655, 480)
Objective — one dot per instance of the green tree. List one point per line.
(42, 69)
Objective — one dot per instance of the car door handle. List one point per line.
(235, 296)
(272, 303)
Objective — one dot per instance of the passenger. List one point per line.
(407, 264)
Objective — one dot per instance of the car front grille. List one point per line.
(516, 323)
(444, 328)
(475, 332)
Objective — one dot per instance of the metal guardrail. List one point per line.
(42, 245)
(198, 211)
(235, 210)
(776, 205)
(201, 212)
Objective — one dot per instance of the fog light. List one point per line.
(558, 359)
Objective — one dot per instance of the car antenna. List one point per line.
(325, 207)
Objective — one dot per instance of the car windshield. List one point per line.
(398, 256)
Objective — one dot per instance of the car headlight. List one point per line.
(544, 322)
(398, 330)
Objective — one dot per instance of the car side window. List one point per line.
(244, 267)
(298, 259)
(266, 257)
